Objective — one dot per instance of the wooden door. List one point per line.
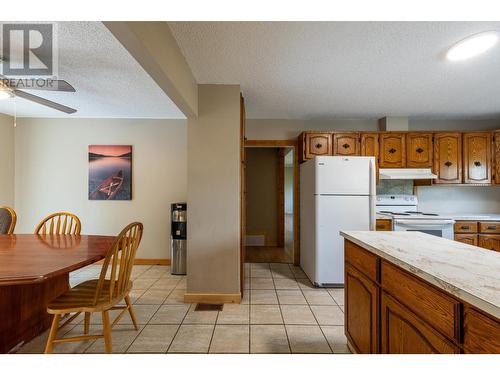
(316, 144)
(242, 194)
(496, 155)
(448, 158)
(392, 150)
(369, 145)
(477, 158)
(490, 241)
(402, 332)
(468, 238)
(362, 306)
(419, 150)
(346, 144)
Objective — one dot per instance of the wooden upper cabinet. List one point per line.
(496, 153)
(419, 150)
(477, 158)
(346, 144)
(315, 144)
(369, 145)
(448, 158)
(392, 150)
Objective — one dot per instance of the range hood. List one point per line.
(406, 174)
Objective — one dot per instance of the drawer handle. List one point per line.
(464, 227)
(448, 163)
(419, 150)
(477, 163)
(346, 145)
(492, 227)
(392, 151)
(318, 145)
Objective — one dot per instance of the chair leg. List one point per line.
(86, 323)
(131, 312)
(107, 331)
(52, 334)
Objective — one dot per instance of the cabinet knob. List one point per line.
(392, 151)
(464, 227)
(448, 163)
(346, 145)
(318, 145)
(419, 150)
(477, 163)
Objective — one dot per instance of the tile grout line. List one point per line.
(281, 313)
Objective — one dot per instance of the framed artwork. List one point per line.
(110, 173)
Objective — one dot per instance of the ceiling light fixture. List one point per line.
(472, 46)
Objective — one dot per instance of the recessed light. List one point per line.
(472, 46)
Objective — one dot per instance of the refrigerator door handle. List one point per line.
(372, 188)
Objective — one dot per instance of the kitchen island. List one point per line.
(410, 292)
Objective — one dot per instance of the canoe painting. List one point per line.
(110, 172)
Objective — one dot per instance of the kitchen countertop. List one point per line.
(460, 216)
(470, 273)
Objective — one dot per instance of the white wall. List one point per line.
(460, 199)
(52, 175)
(213, 261)
(288, 190)
(6, 161)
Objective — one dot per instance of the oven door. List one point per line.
(439, 228)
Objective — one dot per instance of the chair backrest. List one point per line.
(120, 257)
(8, 220)
(59, 223)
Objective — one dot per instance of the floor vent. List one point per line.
(208, 307)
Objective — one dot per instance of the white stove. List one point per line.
(405, 216)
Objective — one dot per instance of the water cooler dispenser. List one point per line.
(179, 239)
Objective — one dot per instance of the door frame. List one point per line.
(293, 143)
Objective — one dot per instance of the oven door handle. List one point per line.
(427, 223)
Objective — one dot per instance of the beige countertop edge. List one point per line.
(437, 282)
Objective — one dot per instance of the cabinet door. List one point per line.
(481, 333)
(369, 145)
(448, 158)
(497, 156)
(392, 150)
(477, 158)
(419, 150)
(383, 225)
(468, 238)
(490, 241)
(317, 144)
(362, 306)
(346, 144)
(402, 332)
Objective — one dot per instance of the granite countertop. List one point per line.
(470, 273)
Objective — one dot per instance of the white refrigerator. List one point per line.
(336, 193)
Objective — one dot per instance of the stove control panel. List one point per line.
(397, 200)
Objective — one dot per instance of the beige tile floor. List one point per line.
(281, 312)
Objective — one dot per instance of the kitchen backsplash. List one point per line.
(395, 187)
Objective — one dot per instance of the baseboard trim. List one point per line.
(158, 262)
(212, 297)
(146, 262)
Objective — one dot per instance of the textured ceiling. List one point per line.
(107, 79)
(305, 70)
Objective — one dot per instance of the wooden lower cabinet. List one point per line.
(402, 332)
(468, 238)
(362, 306)
(481, 333)
(383, 225)
(489, 241)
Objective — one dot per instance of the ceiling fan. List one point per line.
(9, 88)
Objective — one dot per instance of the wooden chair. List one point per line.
(100, 295)
(8, 219)
(59, 223)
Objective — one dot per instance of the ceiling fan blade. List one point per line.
(45, 102)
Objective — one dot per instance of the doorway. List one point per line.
(271, 201)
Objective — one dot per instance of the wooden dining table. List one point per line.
(34, 269)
